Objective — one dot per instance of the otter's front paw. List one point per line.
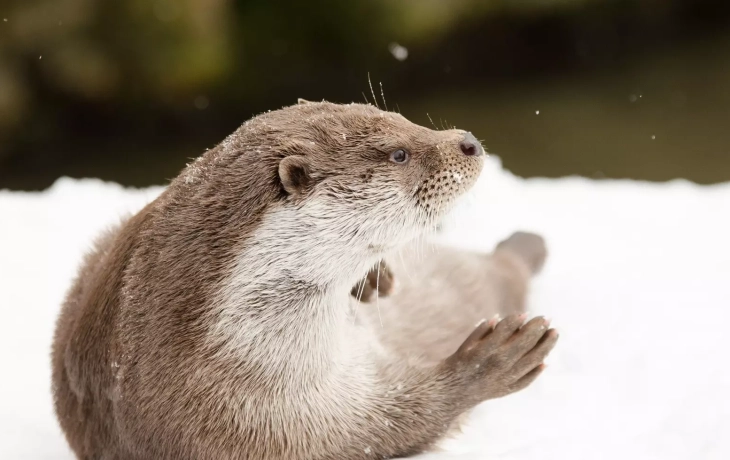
(499, 358)
(379, 279)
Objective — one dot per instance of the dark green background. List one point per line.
(128, 90)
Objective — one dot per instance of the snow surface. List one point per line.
(637, 282)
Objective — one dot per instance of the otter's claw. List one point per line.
(379, 279)
(502, 358)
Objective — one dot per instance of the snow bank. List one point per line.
(638, 282)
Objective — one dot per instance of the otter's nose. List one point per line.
(470, 146)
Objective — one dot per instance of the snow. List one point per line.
(637, 282)
(398, 51)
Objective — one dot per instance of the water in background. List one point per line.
(129, 91)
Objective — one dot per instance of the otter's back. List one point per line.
(84, 340)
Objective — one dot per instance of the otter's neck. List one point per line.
(286, 299)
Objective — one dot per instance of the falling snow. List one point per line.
(399, 52)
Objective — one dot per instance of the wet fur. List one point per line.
(217, 323)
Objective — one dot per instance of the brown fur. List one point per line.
(474, 286)
(198, 330)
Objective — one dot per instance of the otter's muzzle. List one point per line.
(470, 146)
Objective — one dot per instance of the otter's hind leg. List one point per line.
(516, 260)
(443, 292)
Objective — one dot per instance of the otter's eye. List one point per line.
(399, 156)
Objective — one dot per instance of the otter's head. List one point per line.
(323, 181)
(369, 177)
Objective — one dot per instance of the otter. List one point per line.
(221, 322)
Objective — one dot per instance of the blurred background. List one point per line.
(129, 90)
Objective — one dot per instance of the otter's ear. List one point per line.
(294, 174)
(301, 101)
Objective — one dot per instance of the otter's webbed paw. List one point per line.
(530, 247)
(379, 279)
(499, 358)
